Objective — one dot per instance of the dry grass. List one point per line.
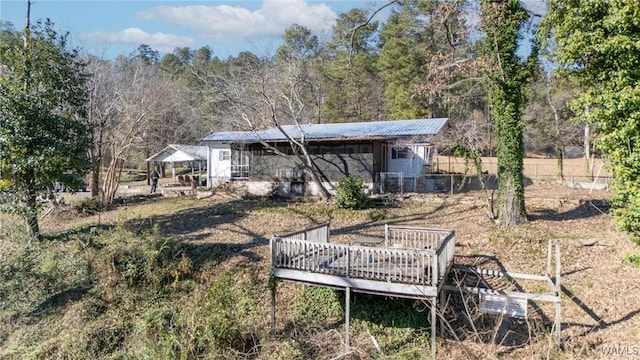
(600, 305)
(536, 168)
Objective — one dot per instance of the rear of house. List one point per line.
(266, 161)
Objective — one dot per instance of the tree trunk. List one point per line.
(310, 166)
(33, 228)
(587, 145)
(510, 151)
(324, 193)
(511, 197)
(95, 180)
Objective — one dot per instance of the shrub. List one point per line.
(350, 194)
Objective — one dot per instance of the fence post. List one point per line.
(451, 184)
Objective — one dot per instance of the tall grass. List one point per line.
(89, 294)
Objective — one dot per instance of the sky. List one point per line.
(118, 27)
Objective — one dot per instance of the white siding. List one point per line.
(408, 159)
(218, 164)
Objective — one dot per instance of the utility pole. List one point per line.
(28, 23)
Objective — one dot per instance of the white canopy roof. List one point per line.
(180, 153)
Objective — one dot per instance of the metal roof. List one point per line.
(180, 153)
(337, 131)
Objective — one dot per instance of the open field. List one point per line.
(537, 169)
(225, 233)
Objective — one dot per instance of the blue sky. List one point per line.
(110, 28)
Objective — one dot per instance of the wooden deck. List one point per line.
(412, 262)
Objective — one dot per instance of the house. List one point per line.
(260, 160)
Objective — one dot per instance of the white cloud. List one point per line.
(158, 41)
(231, 23)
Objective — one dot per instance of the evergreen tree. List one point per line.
(352, 87)
(42, 99)
(401, 64)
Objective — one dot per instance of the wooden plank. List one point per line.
(367, 240)
(360, 285)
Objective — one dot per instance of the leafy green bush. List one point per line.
(350, 194)
(150, 262)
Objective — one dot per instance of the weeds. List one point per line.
(633, 259)
(313, 305)
(89, 206)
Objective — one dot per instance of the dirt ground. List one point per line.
(600, 291)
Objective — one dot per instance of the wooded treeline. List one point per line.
(420, 63)
(474, 62)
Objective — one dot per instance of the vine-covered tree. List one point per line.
(42, 98)
(598, 42)
(502, 22)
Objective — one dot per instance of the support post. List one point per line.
(347, 319)
(558, 323)
(273, 306)
(386, 235)
(451, 184)
(433, 328)
(549, 256)
(443, 304)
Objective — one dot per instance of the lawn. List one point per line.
(187, 277)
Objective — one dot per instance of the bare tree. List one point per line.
(139, 101)
(263, 94)
(101, 110)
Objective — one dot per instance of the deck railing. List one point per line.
(444, 253)
(407, 237)
(318, 233)
(396, 265)
(426, 256)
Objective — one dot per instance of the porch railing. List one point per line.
(240, 171)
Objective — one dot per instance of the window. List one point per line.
(401, 153)
(224, 155)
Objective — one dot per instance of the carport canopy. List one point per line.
(176, 153)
